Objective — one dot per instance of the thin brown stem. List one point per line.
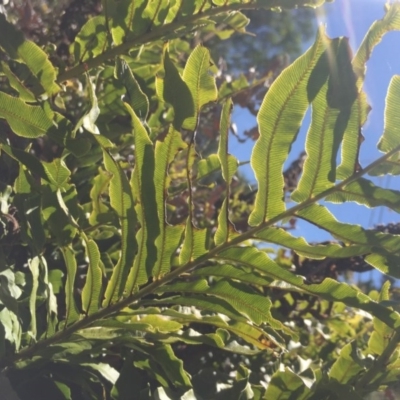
(61, 335)
(160, 33)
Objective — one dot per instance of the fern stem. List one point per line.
(159, 33)
(29, 352)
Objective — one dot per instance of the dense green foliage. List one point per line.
(127, 269)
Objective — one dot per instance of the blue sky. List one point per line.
(350, 18)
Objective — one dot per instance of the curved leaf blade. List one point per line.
(92, 291)
(233, 272)
(250, 333)
(365, 192)
(383, 247)
(17, 83)
(279, 120)
(390, 21)
(330, 115)
(34, 266)
(174, 90)
(18, 48)
(121, 200)
(170, 236)
(241, 297)
(283, 238)
(201, 83)
(329, 289)
(72, 313)
(144, 193)
(135, 97)
(228, 169)
(25, 120)
(320, 216)
(286, 384)
(353, 138)
(195, 243)
(390, 138)
(91, 40)
(57, 214)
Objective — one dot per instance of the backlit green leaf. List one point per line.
(28, 200)
(92, 291)
(57, 172)
(201, 302)
(242, 298)
(195, 244)
(121, 200)
(348, 365)
(331, 111)
(171, 367)
(317, 251)
(100, 186)
(390, 138)
(208, 166)
(126, 18)
(144, 194)
(168, 240)
(57, 215)
(72, 313)
(201, 83)
(233, 272)
(88, 120)
(34, 266)
(329, 289)
(279, 119)
(91, 40)
(390, 21)
(16, 83)
(250, 333)
(25, 120)
(228, 168)
(286, 385)
(365, 192)
(173, 90)
(352, 137)
(18, 48)
(353, 234)
(382, 334)
(135, 97)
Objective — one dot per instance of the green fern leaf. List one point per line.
(197, 75)
(170, 236)
(92, 291)
(144, 194)
(72, 313)
(329, 289)
(390, 138)
(91, 40)
(250, 333)
(134, 94)
(279, 120)
(365, 192)
(121, 200)
(228, 169)
(25, 120)
(331, 110)
(25, 51)
(174, 90)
